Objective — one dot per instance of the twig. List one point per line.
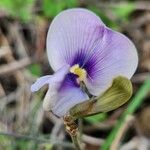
(10, 58)
(56, 129)
(9, 98)
(11, 67)
(127, 123)
(92, 140)
(2, 91)
(40, 140)
(75, 140)
(138, 143)
(80, 124)
(18, 38)
(3, 13)
(139, 78)
(4, 51)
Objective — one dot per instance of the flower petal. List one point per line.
(39, 83)
(62, 93)
(55, 84)
(61, 96)
(72, 33)
(54, 81)
(66, 99)
(51, 96)
(114, 56)
(50, 79)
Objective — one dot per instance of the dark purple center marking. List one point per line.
(80, 59)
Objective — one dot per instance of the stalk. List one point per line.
(72, 129)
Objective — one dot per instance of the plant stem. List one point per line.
(72, 129)
(75, 140)
(80, 123)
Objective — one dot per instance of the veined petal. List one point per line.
(60, 100)
(51, 96)
(40, 83)
(72, 33)
(114, 56)
(66, 99)
(62, 92)
(61, 96)
(50, 79)
(54, 82)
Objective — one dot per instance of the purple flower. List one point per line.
(81, 49)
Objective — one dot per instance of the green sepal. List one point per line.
(116, 95)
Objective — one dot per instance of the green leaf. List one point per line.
(116, 95)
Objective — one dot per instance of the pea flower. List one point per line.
(82, 50)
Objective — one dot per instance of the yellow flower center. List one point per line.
(78, 71)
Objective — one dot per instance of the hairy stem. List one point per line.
(72, 129)
(76, 142)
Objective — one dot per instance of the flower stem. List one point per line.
(72, 129)
(75, 140)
